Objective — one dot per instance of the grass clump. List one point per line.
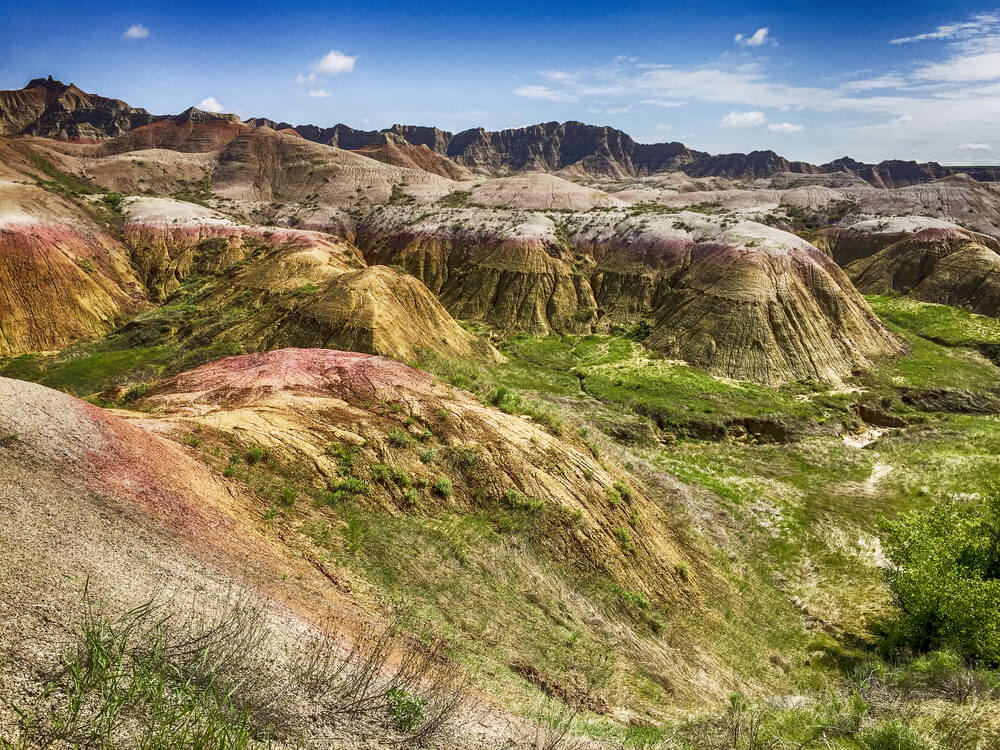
(519, 501)
(624, 537)
(442, 486)
(399, 438)
(143, 676)
(350, 486)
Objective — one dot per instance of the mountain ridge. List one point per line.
(50, 108)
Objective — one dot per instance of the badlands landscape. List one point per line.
(540, 438)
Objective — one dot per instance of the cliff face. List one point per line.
(52, 109)
(752, 166)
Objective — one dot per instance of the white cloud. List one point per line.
(136, 31)
(544, 92)
(903, 119)
(979, 24)
(974, 147)
(319, 94)
(785, 127)
(664, 127)
(617, 110)
(333, 63)
(743, 120)
(664, 102)
(962, 68)
(558, 76)
(756, 39)
(211, 104)
(871, 84)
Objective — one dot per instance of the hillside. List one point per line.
(539, 439)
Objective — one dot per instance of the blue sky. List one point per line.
(909, 80)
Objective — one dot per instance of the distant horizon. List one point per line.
(915, 82)
(984, 165)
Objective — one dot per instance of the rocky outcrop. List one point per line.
(53, 109)
(62, 276)
(415, 157)
(947, 265)
(191, 131)
(546, 147)
(56, 110)
(752, 166)
(61, 283)
(743, 301)
(296, 288)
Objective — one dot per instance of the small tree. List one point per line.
(944, 575)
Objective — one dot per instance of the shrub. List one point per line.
(255, 454)
(623, 490)
(405, 708)
(380, 472)
(288, 496)
(428, 456)
(411, 496)
(135, 393)
(442, 486)
(944, 576)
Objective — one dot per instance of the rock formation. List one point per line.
(54, 109)
(744, 301)
(944, 264)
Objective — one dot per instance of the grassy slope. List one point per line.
(774, 520)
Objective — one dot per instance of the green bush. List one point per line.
(944, 575)
(256, 454)
(442, 485)
(406, 709)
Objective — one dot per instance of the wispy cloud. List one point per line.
(981, 23)
(974, 147)
(544, 92)
(757, 39)
(136, 31)
(319, 94)
(743, 120)
(664, 102)
(785, 127)
(211, 104)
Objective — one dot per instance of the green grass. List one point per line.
(951, 326)
(138, 677)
